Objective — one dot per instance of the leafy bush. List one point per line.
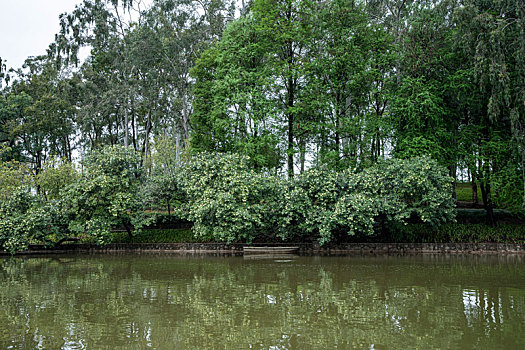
(107, 194)
(417, 187)
(26, 219)
(13, 174)
(391, 192)
(226, 199)
(229, 202)
(55, 176)
(15, 231)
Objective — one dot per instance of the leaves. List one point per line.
(230, 202)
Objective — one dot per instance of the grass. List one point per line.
(460, 233)
(464, 192)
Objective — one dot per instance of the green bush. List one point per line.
(55, 176)
(13, 174)
(417, 187)
(323, 202)
(226, 199)
(107, 195)
(230, 202)
(26, 219)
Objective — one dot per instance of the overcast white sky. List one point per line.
(27, 27)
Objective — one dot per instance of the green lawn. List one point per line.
(464, 192)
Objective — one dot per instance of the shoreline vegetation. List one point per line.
(268, 121)
(412, 233)
(220, 198)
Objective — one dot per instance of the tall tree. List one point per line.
(494, 32)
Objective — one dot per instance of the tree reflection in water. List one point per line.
(168, 301)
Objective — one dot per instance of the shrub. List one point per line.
(229, 201)
(226, 199)
(323, 202)
(107, 194)
(13, 174)
(55, 176)
(26, 219)
(417, 187)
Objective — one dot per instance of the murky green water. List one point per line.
(171, 301)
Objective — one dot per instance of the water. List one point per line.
(136, 301)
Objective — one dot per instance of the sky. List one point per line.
(27, 27)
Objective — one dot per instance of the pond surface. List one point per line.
(136, 301)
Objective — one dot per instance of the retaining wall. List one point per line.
(304, 248)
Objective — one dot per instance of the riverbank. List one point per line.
(304, 248)
(466, 236)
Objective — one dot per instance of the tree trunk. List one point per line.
(302, 154)
(452, 171)
(133, 127)
(145, 144)
(487, 202)
(177, 148)
(128, 230)
(290, 145)
(185, 115)
(474, 189)
(126, 129)
(339, 113)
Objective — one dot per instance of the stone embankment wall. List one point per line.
(304, 248)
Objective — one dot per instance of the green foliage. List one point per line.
(417, 187)
(509, 188)
(231, 97)
(331, 85)
(165, 188)
(107, 194)
(229, 202)
(458, 233)
(13, 174)
(15, 231)
(55, 176)
(26, 219)
(162, 186)
(391, 192)
(418, 146)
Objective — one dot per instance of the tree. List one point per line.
(351, 67)
(38, 115)
(231, 111)
(493, 32)
(136, 80)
